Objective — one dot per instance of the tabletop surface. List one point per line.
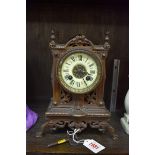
(39, 145)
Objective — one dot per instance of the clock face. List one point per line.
(79, 71)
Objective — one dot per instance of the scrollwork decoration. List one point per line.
(79, 40)
(65, 97)
(90, 98)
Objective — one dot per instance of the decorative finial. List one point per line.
(106, 44)
(107, 35)
(52, 42)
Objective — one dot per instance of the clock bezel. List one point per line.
(91, 54)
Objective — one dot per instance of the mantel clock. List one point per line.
(78, 79)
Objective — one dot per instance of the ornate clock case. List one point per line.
(77, 102)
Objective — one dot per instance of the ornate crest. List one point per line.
(79, 40)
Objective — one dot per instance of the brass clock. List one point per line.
(78, 79)
(79, 71)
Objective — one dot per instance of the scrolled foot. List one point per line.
(111, 130)
(42, 130)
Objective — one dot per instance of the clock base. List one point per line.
(95, 117)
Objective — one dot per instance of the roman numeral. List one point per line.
(80, 57)
(68, 63)
(84, 82)
(78, 84)
(73, 58)
(72, 82)
(66, 70)
(91, 65)
(92, 71)
(66, 77)
(86, 60)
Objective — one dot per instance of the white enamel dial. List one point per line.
(79, 72)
